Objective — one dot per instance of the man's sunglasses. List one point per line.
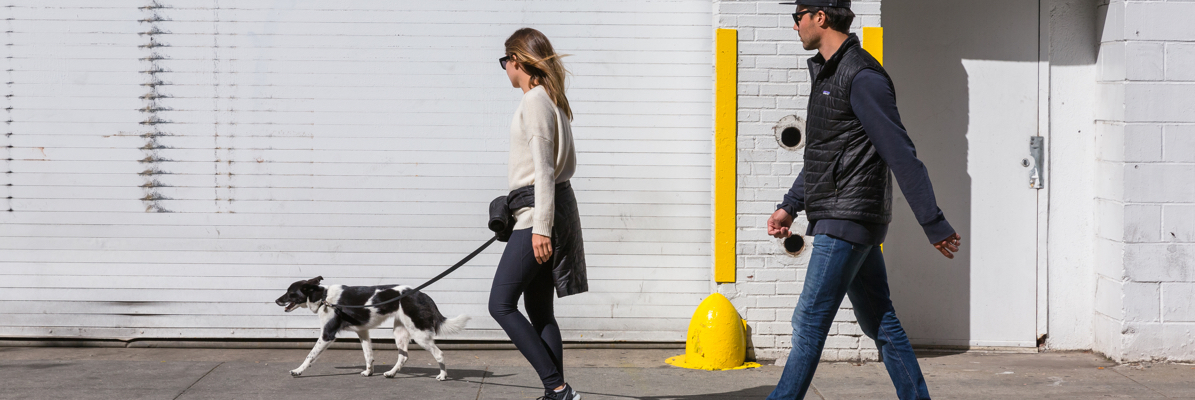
(502, 61)
(797, 16)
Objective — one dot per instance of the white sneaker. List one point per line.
(566, 394)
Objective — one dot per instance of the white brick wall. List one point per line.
(1146, 182)
(774, 83)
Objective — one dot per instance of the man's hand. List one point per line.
(949, 246)
(542, 245)
(779, 223)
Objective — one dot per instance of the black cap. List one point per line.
(822, 3)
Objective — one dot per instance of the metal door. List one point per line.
(966, 75)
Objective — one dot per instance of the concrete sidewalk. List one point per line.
(149, 373)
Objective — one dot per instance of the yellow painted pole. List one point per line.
(725, 153)
(873, 42)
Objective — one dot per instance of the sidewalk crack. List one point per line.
(205, 374)
(1139, 383)
(483, 374)
(817, 392)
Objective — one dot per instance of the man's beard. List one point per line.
(808, 45)
(805, 43)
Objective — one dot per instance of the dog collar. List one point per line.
(323, 301)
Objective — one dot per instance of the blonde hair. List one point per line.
(534, 53)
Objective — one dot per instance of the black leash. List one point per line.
(460, 263)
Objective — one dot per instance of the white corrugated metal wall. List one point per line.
(171, 166)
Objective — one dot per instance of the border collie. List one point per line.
(415, 317)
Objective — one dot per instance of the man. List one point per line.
(855, 138)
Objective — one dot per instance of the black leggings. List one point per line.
(539, 339)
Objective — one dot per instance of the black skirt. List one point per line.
(568, 247)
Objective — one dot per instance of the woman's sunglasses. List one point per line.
(502, 61)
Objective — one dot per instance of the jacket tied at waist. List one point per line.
(568, 249)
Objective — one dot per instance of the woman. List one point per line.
(544, 251)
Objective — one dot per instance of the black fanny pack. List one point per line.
(502, 221)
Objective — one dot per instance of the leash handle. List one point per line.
(459, 264)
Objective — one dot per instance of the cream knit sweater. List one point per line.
(541, 150)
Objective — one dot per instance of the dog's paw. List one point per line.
(390, 374)
(368, 372)
(443, 376)
(295, 372)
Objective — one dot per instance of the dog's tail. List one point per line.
(453, 325)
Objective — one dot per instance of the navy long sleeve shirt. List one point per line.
(874, 103)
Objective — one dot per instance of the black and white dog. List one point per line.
(415, 317)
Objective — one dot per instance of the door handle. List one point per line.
(1037, 174)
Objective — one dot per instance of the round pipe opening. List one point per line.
(790, 137)
(794, 244)
(790, 133)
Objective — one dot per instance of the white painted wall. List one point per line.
(359, 141)
(1071, 43)
(1145, 183)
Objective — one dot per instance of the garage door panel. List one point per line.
(175, 168)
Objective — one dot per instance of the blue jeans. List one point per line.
(838, 268)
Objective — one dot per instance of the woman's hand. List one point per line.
(542, 245)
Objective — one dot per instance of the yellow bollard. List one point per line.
(716, 340)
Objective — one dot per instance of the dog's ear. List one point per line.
(311, 286)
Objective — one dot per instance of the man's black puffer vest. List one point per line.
(845, 178)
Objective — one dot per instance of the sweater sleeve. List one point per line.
(794, 200)
(874, 102)
(539, 121)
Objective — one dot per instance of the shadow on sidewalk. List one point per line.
(418, 372)
(758, 392)
(35, 366)
(755, 392)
